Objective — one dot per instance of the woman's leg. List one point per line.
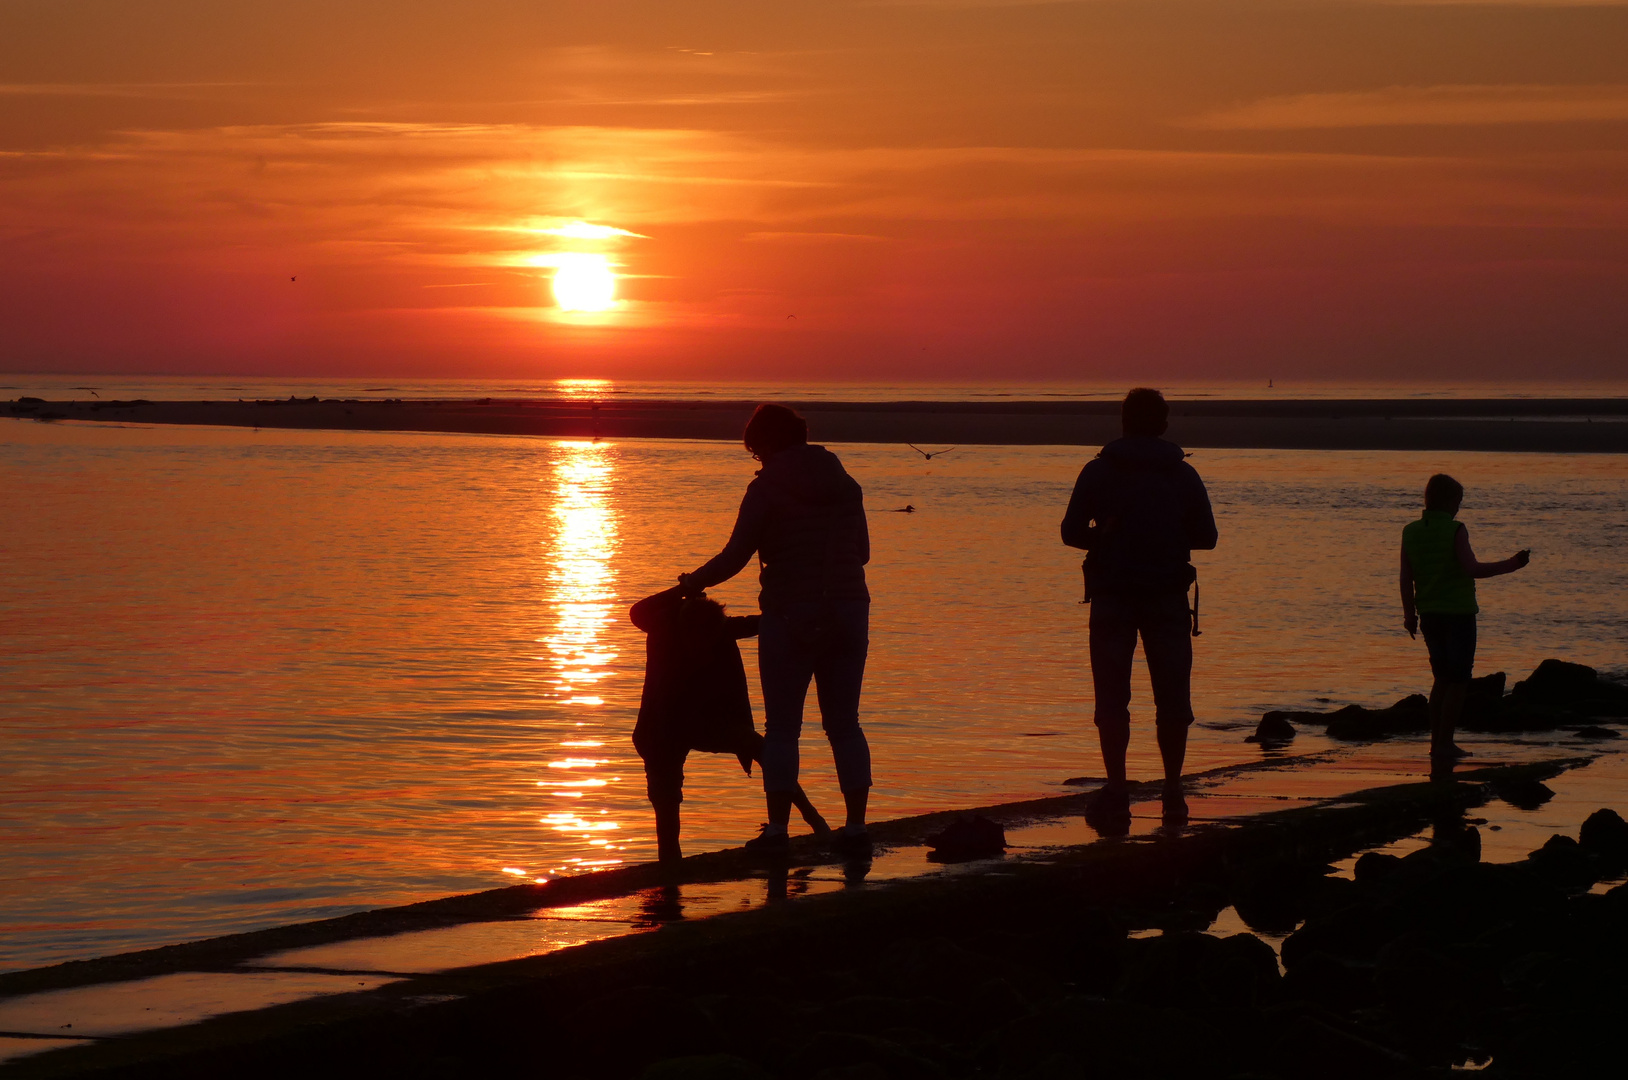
(785, 666)
(839, 676)
(799, 797)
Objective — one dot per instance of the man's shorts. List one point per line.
(1451, 641)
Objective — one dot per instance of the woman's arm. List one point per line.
(743, 542)
(1466, 559)
(1410, 615)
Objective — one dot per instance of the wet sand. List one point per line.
(1130, 955)
(1537, 425)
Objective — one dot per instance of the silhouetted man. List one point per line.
(1138, 510)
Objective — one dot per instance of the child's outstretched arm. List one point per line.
(1467, 559)
(742, 626)
(1410, 615)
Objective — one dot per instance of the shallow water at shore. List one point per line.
(250, 678)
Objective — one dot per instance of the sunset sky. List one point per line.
(956, 189)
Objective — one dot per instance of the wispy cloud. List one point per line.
(116, 90)
(812, 237)
(1401, 106)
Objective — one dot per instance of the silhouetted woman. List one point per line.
(804, 518)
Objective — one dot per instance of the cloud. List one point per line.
(116, 90)
(1399, 106)
(584, 230)
(812, 237)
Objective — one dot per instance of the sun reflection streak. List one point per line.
(582, 594)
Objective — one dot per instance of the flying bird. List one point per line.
(925, 454)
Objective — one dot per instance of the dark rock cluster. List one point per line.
(1557, 695)
(1418, 964)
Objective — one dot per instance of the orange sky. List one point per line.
(934, 189)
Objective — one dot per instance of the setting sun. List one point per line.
(584, 283)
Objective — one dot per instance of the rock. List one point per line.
(1558, 679)
(1523, 794)
(1484, 703)
(1563, 861)
(1271, 897)
(1273, 728)
(1595, 731)
(705, 1067)
(1355, 723)
(1574, 687)
(1312, 1047)
(1605, 835)
(1375, 866)
(1295, 716)
(1235, 971)
(1331, 981)
(967, 838)
(867, 1071)
(829, 1050)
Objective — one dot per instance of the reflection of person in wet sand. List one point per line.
(1438, 596)
(1138, 510)
(694, 699)
(804, 518)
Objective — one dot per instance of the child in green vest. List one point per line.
(1438, 596)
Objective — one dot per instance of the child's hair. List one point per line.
(700, 616)
(1442, 492)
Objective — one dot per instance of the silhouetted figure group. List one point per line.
(1138, 510)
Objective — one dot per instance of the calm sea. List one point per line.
(248, 677)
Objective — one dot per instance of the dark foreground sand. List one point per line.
(1021, 969)
(1554, 425)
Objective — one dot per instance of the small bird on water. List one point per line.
(905, 509)
(925, 454)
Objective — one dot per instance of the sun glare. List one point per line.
(584, 283)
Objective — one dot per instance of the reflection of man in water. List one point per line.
(1138, 510)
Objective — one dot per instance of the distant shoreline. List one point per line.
(1556, 425)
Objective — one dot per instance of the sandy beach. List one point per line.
(1567, 425)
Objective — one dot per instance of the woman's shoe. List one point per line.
(1175, 806)
(851, 843)
(769, 841)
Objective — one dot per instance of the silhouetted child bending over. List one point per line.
(694, 699)
(1438, 595)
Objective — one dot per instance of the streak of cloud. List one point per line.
(1424, 105)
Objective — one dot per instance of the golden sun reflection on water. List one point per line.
(582, 595)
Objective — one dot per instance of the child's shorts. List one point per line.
(1451, 641)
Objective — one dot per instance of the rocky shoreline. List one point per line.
(1558, 695)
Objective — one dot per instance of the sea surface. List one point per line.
(254, 677)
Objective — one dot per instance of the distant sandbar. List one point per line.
(1558, 425)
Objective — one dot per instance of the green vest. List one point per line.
(1440, 584)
